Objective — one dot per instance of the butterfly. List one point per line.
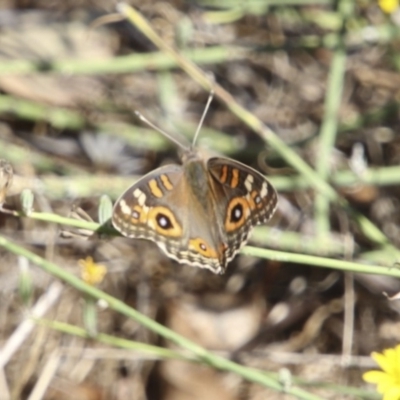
(200, 213)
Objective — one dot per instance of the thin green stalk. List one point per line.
(253, 251)
(137, 62)
(328, 133)
(374, 176)
(339, 265)
(156, 351)
(17, 154)
(29, 110)
(333, 246)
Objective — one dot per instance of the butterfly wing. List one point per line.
(145, 212)
(248, 199)
(162, 207)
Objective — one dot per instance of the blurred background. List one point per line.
(72, 75)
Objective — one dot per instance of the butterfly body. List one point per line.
(199, 213)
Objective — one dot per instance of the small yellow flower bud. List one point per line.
(92, 273)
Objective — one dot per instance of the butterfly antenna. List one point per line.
(156, 128)
(210, 97)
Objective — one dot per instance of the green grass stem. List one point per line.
(327, 136)
(248, 250)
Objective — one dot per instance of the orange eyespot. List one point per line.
(236, 213)
(164, 222)
(201, 247)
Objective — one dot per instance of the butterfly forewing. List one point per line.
(249, 200)
(138, 214)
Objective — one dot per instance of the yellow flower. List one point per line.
(91, 272)
(388, 6)
(388, 380)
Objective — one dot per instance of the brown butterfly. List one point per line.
(199, 213)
